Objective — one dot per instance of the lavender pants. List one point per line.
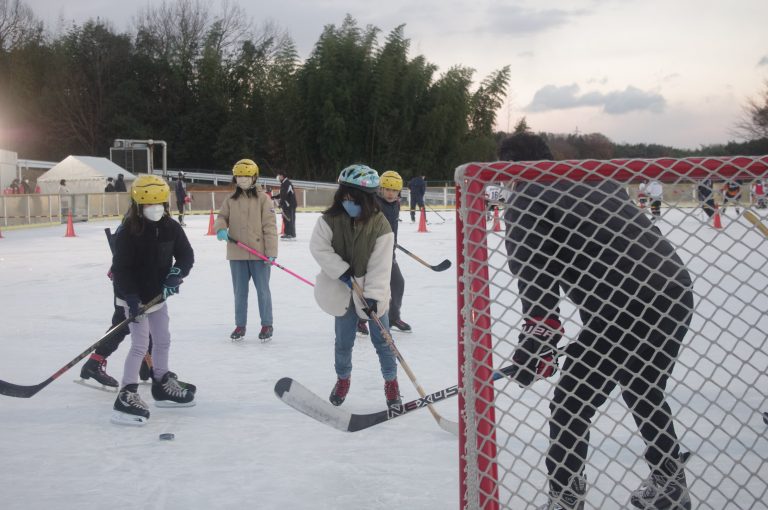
(156, 324)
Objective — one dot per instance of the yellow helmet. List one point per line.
(245, 168)
(150, 189)
(391, 180)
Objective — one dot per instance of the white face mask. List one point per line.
(153, 212)
(244, 182)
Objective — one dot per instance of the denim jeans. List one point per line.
(242, 273)
(346, 331)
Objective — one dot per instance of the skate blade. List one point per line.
(100, 387)
(265, 340)
(171, 404)
(130, 420)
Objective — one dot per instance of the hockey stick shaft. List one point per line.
(434, 211)
(19, 391)
(445, 424)
(754, 220)
(442, 266)
(266, 259)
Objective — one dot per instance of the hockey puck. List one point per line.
(167, 436)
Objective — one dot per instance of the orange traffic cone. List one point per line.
(716, 219)
(70, 226)
(210, 225)
(496, 223)
(422, 221)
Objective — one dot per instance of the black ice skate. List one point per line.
(238, 333)
(362, 327)
(401, 325)
(665, 488)
(265, 335)
(95, 368)
(170, 392)
(571, 498)
(340, 390)
(129, 409)
(392, 392)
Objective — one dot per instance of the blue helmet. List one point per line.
(360, 177)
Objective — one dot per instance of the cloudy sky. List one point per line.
(676, 72)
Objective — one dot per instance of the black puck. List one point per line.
(167, 436)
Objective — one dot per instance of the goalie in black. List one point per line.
(590, 242)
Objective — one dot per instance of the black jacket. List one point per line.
(391, 211)
(141, 262)
(593, 244)
(287, 197)
(120, 184)
(418, 187)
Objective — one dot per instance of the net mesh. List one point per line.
(656, 309)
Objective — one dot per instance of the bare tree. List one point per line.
(17, 24)
(753, 124)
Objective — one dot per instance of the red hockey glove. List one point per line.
(534, 358)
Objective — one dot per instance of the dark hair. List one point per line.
(62, 182)
(134, 221)
(367, 202)
(524, 147)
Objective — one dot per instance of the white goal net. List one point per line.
(656, 310)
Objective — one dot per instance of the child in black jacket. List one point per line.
(152, 256)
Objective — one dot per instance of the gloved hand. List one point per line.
(222, 234)
(269, 260)
(371, 306)
(133, 302)
(533, 358)
(347, 277)
(172, 282)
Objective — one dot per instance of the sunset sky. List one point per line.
(676, 72)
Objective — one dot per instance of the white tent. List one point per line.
(84, 174)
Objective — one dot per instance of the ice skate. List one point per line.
(170, 392)
(129, 408)
(392, 393)
(665, 488)
(401, 326)
(362, 327)
(265, 335)
(572, 498)
(340, 390)
(238, 333)
(95, 369)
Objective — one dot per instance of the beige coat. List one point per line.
(251, 220)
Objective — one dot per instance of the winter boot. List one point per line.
(362, 327)
(238, 333)
(392, 392)
(665, 488)
(129, 409)
(266, 333)
(170, 392)
(145, 370)
(401, 325)
(95, 368)
(340, 390)
(572, 498)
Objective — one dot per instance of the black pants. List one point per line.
(656, 207)
(289, 219)
(416, 202)
(180, 207)
(709, 207)
(597, 365)
(110, 345)
(397, 287)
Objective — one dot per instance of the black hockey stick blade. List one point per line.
(300, 398)
(18, 391)
(442, 266)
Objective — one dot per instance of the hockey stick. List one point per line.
(447, 425)
(15, 390)
(442, 266)
(438, 214)
(754, 220)
(300, 398)
(266, 259)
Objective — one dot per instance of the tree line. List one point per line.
(217, 89)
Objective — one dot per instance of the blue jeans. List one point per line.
(346, 331)
(242, 273)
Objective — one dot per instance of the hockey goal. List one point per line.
(619, 276)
